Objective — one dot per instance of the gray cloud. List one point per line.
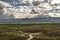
(3, 12)
(1, 9)
(36, 3)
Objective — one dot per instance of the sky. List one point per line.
(12, 9)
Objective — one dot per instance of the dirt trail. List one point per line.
(32, 35)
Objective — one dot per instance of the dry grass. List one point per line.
(17, 31)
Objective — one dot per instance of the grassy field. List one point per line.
(47, 31)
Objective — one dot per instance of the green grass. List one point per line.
(14, 31)
(28, 25)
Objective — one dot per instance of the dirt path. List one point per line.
(32, 35)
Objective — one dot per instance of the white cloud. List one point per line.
(24, 11)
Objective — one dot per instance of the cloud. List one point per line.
(8, 11)
(36, 3)
(1, 8)
(3, 11)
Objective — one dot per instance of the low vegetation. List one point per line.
(48, 31)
